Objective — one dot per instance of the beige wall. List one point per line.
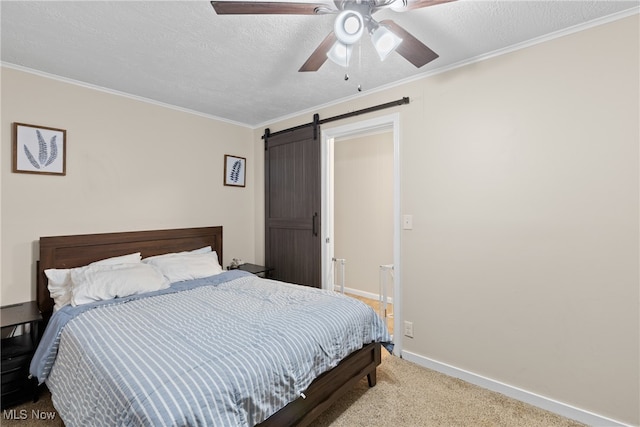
(521, 173)
(131, 165)
(363, 210)
(522, 176)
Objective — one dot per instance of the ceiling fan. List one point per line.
(354, 18)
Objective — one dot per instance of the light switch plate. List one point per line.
(407, 222)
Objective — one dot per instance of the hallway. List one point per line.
(375, 304)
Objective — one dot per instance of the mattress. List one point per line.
(227, 350)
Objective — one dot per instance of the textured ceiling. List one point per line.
(243, 68)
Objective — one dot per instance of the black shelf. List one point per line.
(256, 269)
(17, 351)
(19, 314)
(17, 346)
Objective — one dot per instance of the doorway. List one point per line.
(389, 125)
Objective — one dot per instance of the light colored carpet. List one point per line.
(406, 395)
(409, 395)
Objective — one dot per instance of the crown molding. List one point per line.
(118, 93)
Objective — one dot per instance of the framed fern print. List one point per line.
(39, 149)
(235, 170)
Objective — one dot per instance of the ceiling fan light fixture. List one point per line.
(384, 41)
(398, 5)
(340, 53)
(348, 26)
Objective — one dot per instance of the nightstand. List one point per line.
(258, 270)
(17, 352)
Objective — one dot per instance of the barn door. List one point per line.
(292, 202)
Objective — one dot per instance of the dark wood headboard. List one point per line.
(82, 249)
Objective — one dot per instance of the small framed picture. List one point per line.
(235, 170)
(39, 149)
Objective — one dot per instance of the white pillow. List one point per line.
(104, 282)
(186, 265)
(204, 250)
(122, 259)
(59, 283)
(59, 287)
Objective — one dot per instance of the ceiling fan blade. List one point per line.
(417, 4)
(412, 49)
(319, 56)
(268, 8)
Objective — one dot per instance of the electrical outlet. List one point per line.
(408, 329)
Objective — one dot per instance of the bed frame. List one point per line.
(78, 250)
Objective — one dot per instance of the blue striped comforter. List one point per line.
(230, 350)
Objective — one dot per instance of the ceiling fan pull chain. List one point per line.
(359, 62)
(346, 65)
(346, 62)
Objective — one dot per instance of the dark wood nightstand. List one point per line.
(258, 270)
(17, 352)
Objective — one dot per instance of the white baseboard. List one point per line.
(364, 294)
(534, 399)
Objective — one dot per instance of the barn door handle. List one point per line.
(313, 224)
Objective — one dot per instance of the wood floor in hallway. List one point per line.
(375, 304)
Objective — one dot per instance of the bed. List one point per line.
(304, 398)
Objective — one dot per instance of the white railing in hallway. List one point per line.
(386, 272)
(341, 262)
